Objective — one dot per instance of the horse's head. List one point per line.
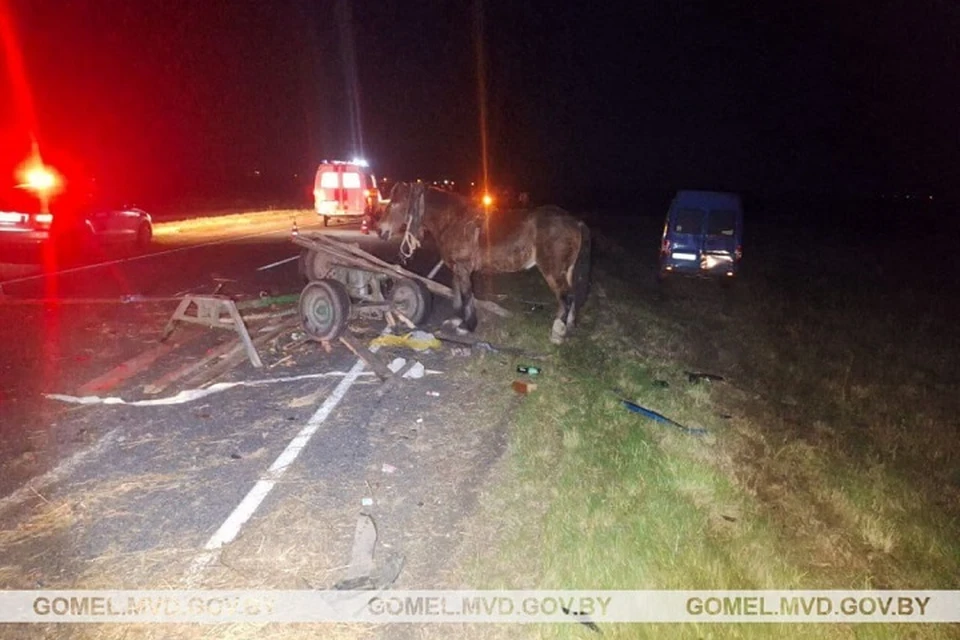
(405, 210)
(395, 214)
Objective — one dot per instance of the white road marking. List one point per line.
(230, 528)
(189, 395)
(277, 263)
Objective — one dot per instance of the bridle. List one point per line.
(414, 221)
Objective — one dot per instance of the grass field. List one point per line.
(830, 459)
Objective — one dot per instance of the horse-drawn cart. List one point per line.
(344, 282)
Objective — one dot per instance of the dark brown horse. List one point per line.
(471, 240)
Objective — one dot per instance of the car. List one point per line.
(346, 189)
(702, 235)
(75, 227)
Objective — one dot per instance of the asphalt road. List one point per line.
(255, 486)
(60, 330)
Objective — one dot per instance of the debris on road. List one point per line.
(529, 370)
(268, 301)
(388, 468)
(367, 355)
(416, 340)
(212, 354)
(434, 394)
(524, 387)
(268, 314)
(127, 369)
(416, 371)
(366, 502)
(486, 346)
(282, 360)
(209, 311)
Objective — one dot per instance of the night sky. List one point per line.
(181, 96)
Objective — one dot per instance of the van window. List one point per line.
(722, 222)
(688, 221)
(351, 180)
(329, 180)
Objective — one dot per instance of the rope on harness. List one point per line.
(415, 208)
(408, 245)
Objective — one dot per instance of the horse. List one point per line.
(473, 240)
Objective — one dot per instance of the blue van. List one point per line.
(703, 235)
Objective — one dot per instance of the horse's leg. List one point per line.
(457, 296)
(469, 311)
(463, 302)
(564, 296)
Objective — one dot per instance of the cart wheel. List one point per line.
(324, 309)
(313, 265)
(412, 299)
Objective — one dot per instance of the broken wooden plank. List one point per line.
(127, 369)
(394, 379)
(237, 356)
(367, 356)
(165, 381)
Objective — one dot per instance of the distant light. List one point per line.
(487, 200)
(40, 179)
(473, 184)
(929, 197)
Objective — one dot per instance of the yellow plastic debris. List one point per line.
(416, 340)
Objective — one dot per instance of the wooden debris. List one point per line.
(367, 356)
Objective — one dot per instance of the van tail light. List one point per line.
(665, 247)
(738, 253)
(43, 218)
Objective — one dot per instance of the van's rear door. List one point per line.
(721, 232)
(327, 190)
(354, 200)
(685, 234)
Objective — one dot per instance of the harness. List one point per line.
(416, 209)
(414, 221)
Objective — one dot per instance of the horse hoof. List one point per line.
(558, 332)
(453, 323)
(461, 331)
(559, 329)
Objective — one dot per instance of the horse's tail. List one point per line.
(581, 269)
